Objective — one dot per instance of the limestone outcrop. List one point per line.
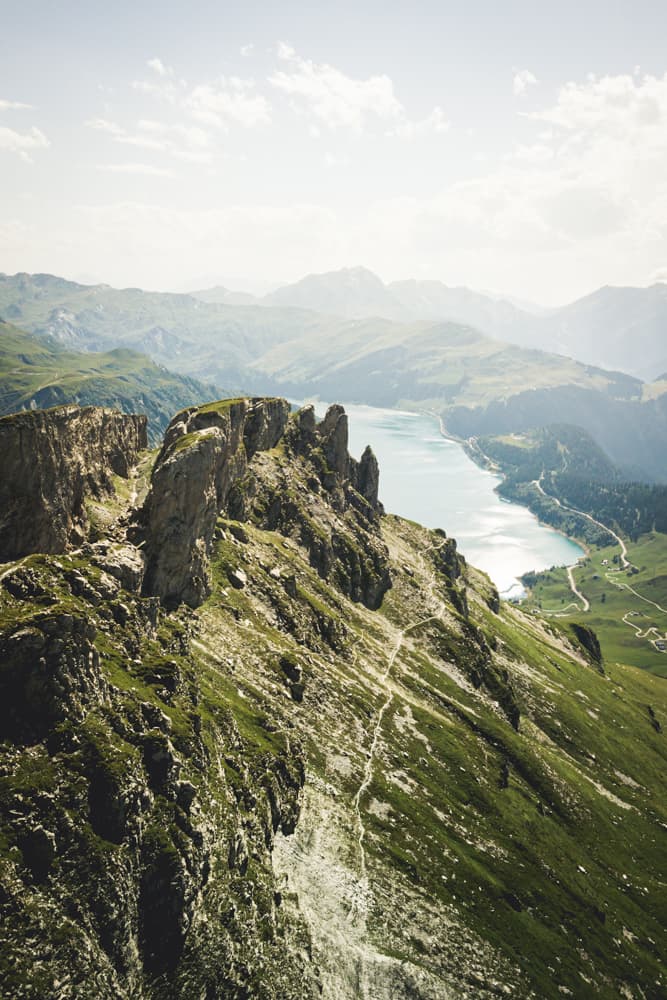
(51, 461)
(205, 452)
(325, 444)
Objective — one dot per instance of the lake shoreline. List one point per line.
(472, 449)
(429, 476)
(480, 458)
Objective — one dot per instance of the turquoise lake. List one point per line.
(430, 479)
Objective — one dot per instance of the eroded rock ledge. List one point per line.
(51, 461)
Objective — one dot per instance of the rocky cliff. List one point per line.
(205, 469)
(206, 452)
(347, 770)
(52, 460)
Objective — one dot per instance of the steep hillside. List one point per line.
(342, 768)
(53, 461)
(35, 373)
(479, 386)
(209, 341)
(620, 328)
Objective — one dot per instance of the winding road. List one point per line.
(611, 576)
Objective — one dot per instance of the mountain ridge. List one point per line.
(305, 786)
(617, 327)
(468, 378)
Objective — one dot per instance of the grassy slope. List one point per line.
(205, 340)
(529, 882)
(38, 373)
(620, 642)
(436, 360)
(496, 860)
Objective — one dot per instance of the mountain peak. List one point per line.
(351, 292)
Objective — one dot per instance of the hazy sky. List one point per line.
(519, 147)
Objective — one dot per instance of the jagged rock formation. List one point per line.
(52, 460)
(203, 470)
(343, 539)
(326, 444)
(312, 784)
(205, 452)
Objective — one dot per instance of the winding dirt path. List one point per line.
(359, 900)
(585, 603)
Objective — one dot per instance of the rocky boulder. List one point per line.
(333, 435)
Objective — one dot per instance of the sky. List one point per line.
(518, 147)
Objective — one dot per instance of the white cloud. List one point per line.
(22, 143)
(659, 276)
(141, 169)
(184, 142)
(103, 125)
(247, 50)
(13, 105)
(434, 123)
(537, 152)
(159, 67)
(220, 103)
(609, 104)
(523, 79)
(582, 201)
(228, 100)
(334, 161)
(331, 96)
(336, 100)
(164, 88)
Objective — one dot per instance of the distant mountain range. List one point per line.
(616, 328)
(479, 383)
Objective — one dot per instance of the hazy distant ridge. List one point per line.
(616, 328)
